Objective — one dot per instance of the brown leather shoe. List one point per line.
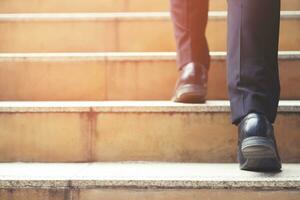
(191, 87)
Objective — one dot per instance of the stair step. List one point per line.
(90, 32)
(14, 6)
(117, 76)
(126, 131)
(145, 180)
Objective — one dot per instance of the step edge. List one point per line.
(145, 175)
(113, 16)
(135, 184)
(151, 175)
(285, 106)
(119, 56)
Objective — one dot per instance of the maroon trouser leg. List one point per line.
(190, 19)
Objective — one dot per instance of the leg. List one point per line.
(190, 19)
(253, 79)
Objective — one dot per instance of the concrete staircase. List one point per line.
(81, 108)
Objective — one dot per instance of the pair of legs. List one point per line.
(253, 32)
(252, 70)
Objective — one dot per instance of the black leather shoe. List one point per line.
(191, 87)
(257, 149)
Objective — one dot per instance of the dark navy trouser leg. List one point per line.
(253, 79)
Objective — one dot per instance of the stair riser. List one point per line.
(116, 35)
(13, 6)
(116, 80)
(134, 194)
(126, 136)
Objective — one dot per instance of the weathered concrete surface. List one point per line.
(117, 76)
(137, 130)
(102, 32)
(13, 6)
(142, 175)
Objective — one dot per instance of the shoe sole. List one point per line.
(190, 94)
(260, 155)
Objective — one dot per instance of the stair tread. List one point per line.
(144, 174)
(115, 15)
(118, 56)
(107, 5)
(129, 106)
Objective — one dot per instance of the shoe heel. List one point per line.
(260, 155)
(258, 147)
(190, 94)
